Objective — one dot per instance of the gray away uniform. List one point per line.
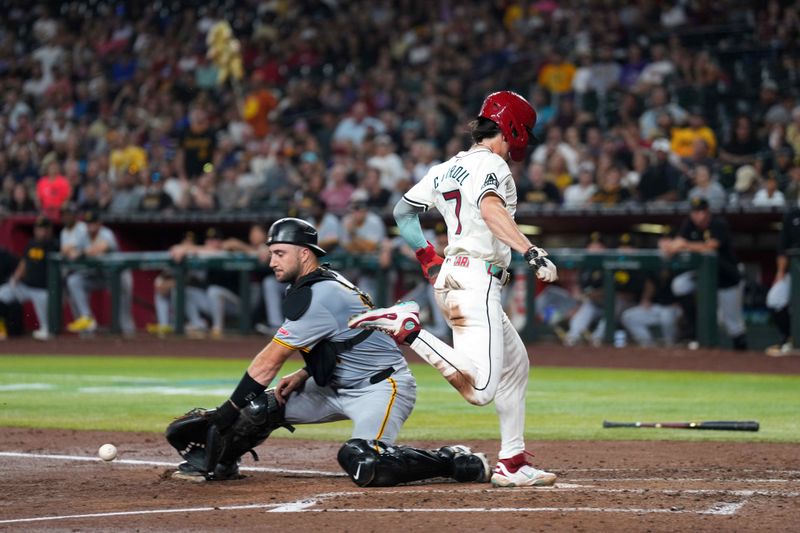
(378, 410)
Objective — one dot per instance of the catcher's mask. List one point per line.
(295, 231)
(515, 117)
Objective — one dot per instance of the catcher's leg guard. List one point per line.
(374, 464)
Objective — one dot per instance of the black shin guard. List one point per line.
(374, 464)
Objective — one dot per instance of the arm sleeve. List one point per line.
(316, 324)
(407, 217)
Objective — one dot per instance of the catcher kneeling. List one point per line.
(361, 376)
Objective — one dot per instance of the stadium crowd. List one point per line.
(113, 107)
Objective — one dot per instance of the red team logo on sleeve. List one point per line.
(283, 331)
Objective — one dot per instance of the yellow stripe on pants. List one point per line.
(388, 408)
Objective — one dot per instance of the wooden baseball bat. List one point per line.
(729, 425)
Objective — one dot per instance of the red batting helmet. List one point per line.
(516, 118)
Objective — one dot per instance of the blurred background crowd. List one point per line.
(115, 107)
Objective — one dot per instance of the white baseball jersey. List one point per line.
(456, 188)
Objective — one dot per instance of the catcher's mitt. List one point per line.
(197, 439)
(208, 437)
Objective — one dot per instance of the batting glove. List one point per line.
(544, 268)
(430, 261)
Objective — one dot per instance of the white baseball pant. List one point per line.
(488, 360)
(81, 283)
(639, 319)
(779, 294)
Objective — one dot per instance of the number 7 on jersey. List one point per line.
(455, 194)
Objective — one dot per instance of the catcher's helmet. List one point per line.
(295, 231)
(516, 118)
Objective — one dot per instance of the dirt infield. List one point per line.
(53, 483)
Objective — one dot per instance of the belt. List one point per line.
(498, 272)
(372, 380)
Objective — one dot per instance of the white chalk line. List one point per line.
(143, 512)
(306, 505)
(57, 457)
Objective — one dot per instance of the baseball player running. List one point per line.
(358, 376)
(475, 193)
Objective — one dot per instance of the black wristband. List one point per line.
(246, 391)
(531, 254)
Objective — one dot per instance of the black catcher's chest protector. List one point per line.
(322, 358)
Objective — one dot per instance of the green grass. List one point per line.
(144, 394)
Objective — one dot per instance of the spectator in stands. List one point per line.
(769, 194)
(793, 188)
(793, 130)
(580, 194)
(536, 189)
(705, 186)
(53, 190)
(683, 137)
(203, 193)
(632, 67)
(609, 188)
(393, 175)
(100, 241)
(743, 146)
(659, 104)
(127, 193)
(155, 199)
(363, 233)
(29, 280)
(746, 185)
(779, 295)
(338, 190)
(353, 129)
(655, 72)
(19, 200)
(378, 197)
(197, 146)
(557, 73)
(703, 232)
(231, 196)
(660, 180)
(126, 157)
(555, 144)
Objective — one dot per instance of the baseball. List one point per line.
(107, 452)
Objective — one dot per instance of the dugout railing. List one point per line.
(113, 264)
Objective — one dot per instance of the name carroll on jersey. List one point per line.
(455, 173)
